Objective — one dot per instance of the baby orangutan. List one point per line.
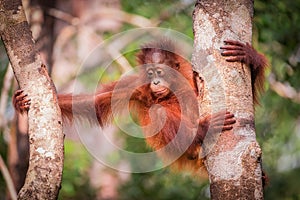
(164, 98)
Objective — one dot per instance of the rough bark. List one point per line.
(45, 127)
(233, 157)
(43, 29)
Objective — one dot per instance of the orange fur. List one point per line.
(162, 130)
(170, 120)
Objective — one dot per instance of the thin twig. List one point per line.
(111, 13)
(63, 16)
(284, 89)
(9, 75)
(8, 180)
(119, 15)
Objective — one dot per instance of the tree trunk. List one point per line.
(45, 125)
(233, 157)
(18, 153)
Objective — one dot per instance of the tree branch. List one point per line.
(284, 90)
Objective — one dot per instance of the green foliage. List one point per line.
(277, 120)
(163, 185)
(157, 9)
(283, 186)
(148, 9)
(3, 152)
(75, 182)
(277, 23)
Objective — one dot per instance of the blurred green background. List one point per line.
(276, 33)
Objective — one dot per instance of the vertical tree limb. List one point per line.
(42, 27)
(233, 158)
(45, 126)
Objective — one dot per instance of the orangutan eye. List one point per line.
(150, 73)
(160, 72)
